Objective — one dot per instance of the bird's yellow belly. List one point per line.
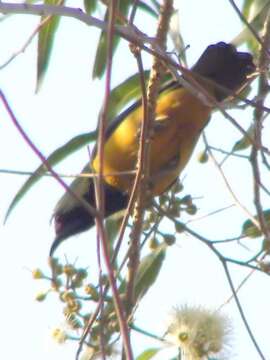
(175, 133)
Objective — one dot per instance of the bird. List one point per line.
(180, 117)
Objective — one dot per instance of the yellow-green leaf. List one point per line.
(244, 142)
(101, 53)
(45, 42)
(148, 270)
(148, 354)
(246, 8)
(255, 11)
(120, 96)
(90, 6)
(250, 230)
(129, 90)
(112, 225)
(57, 156)
(126, 92)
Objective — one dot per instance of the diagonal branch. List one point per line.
(241, 312)
(92, 211)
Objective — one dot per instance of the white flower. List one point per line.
(199, 332)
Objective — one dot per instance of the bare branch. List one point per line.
(259, 115)
(237, 202)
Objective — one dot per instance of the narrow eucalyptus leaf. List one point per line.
(57, 156)
(90, 6)
(46, 37)
(148, 354)
(244, 142)
(101, 53)
(148, 270)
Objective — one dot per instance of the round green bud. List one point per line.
(69, 270)
(179, 227)
(203, 157)
(41, 296)
(169, 239)
(192, 209)
(37, 274)
(92, 291)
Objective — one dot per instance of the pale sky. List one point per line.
(67, 105)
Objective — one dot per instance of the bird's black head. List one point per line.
(225, 66)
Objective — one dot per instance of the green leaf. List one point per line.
(244, 142)
(58, 155)
(156, 4)
(246, 8)
(148, 354)
(129, 90)
(250, 230)
(255, 12)
(101, 58)
(112, 225)
(148, 9)
(148, 271)
(90, 6)
(101, 53)
(45, 43)
(120, 96)
(251, 8)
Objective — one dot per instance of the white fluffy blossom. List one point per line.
(198, 332)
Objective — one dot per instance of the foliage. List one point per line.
(90, 305)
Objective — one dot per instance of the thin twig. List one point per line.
(228, 153)
(148, 334)
(224, 261)
(259, 115)
(133, 251)
(228, 186)
(92, 211)
(133, 35)
(210, 243)
(26, 44)
(91, 321)
(119, 308)
(241, 284)
(149, 107)
(133, 12)
(241, 312)
(248, 25)
(41, 173)
(210, 214)
(99, 190)
(246, 278)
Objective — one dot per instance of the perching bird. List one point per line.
(180, 118)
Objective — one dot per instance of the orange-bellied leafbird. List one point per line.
(180, 118)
